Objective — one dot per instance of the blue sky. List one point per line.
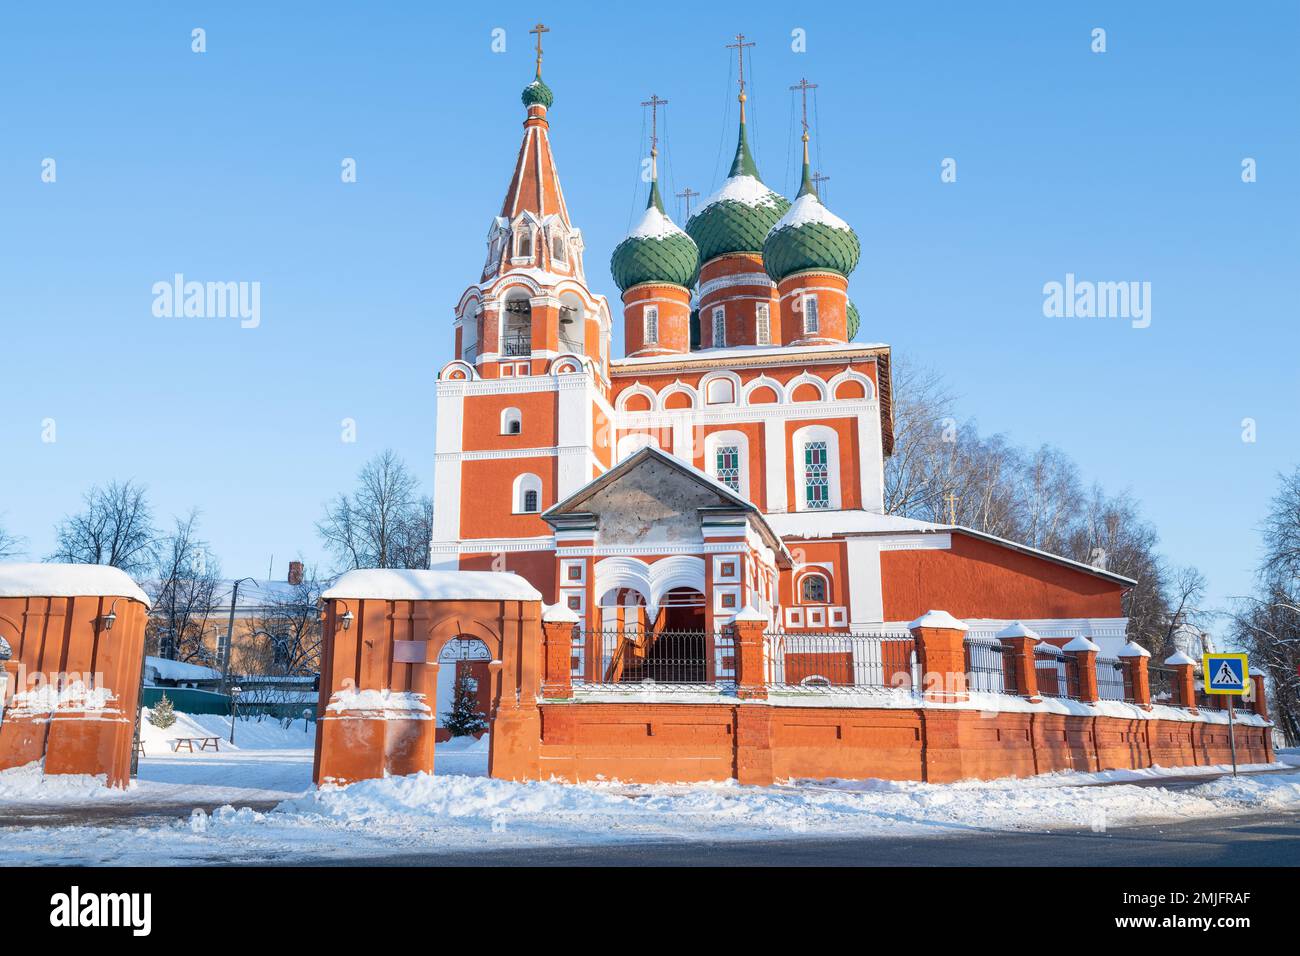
(225, 166)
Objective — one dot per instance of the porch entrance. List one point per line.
(633, 647)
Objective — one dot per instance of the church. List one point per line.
(731, 461)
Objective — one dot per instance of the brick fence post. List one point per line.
(1084, 653)
(1135, 658)
(750, 656)
(1018, 659)
(1184, 680)
(558, 623)
(1259, 704)
(941, 655)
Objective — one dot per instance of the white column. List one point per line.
(448, 444)
(866, 596)
(774, 453)
(871, 462)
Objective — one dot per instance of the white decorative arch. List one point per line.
(764, 380)
(651, 580)
(463, 366)
(567, 362)
(674, 388)
(806, 378)
(708, 389)
(630, 444)
(522, 485)
(713, 441)
(636, 388)
(811, 433)
(849, 375)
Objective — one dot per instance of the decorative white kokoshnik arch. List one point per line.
(653, 579)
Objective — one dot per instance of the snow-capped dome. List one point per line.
(537, 92)
(810, 236)
(656, 250)
(738, 217)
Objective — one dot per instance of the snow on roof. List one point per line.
(1178, 657)
(1016, 629)
(390, 584)
(68, 580)
(1081, 643)
(824, 524)
(808, 208)
(750, 613)
(743, 189)
(1134, 650)
(938, 619)
(559, 614)
(747, 351)
(164, 669)
(655, 225)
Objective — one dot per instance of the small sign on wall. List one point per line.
(410, 652)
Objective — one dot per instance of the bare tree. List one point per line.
(183, 590)
(923, 425)
(288, 631)
(10, 545)
(116, 528)
(381, 523)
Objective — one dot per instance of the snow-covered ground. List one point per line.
(462, 809)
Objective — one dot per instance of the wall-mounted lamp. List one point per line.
(110, 618)
(347, 619)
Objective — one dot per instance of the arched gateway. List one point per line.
(386, 636)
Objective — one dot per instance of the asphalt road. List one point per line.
(1252, 840)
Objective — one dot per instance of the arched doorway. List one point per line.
(636, 644)
(467, 659)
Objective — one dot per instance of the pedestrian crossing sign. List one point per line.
(1225, 673)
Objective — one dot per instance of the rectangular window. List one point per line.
(524, 245)
(763, 332)
(719, 327)
(728, 463)
(557, 248)
(816, 475)
(811, 324)
(651, 324)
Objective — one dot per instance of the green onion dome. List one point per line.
(656, 250)
(810, 236)
(853, 319)
(537, 92)
(740, 214)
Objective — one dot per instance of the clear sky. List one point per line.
(225, 166)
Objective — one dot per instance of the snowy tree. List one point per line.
(384, 523)
(162, 715)
(465, 717)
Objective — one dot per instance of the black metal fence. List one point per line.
(989, 667)
(1111, 683)
(1058, 672)
(1163, 686)
(631, 659)
(841, 662)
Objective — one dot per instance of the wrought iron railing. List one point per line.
(840, 662)
(989, 668)
(520, 343)
(1111, 682)
(637, 659)
(1164, 689)
(1058, 672)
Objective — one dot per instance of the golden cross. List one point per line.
(952, 508)
(739, 47)
(654, 103)
(686, 194)
(804, 86)
(539, 30)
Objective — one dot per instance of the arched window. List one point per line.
(527, 494)
(719, 327)
(512, 422)
(524, 244)
(726, 458)
(557, 247)
(816, 469)
(813, 589)
(811, 321)
(720, 391)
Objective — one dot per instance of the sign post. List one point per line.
(1227, 674)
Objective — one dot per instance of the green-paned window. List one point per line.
(816, 475)
(728, 462)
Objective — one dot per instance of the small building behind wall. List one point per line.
(75, 635)
(384, 634)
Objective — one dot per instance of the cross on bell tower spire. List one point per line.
(654, 103)
(539, 30)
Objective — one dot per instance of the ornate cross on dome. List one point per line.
(804, 86)
(739, 47)
(817, 180)
(539, 30)
(654, 103)
(687, 195)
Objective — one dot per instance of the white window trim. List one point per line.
(523, 483)
(715, 440)
(509, 415)
(811, 433)
(813, 327)
(719, 319)
(650, 325)
(763, 324)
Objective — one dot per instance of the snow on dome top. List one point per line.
(68, 580)
(655, 225)
(808, 208)
(742, 189)
(389, 584)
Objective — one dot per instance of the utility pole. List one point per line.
(230, 634)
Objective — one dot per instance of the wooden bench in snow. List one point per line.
(205, 743)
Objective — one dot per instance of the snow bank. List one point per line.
(68, 580)
(251, 733)
(403, 585)
(164, 669)
(29, 783)
(404, 703)
(47, 698)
